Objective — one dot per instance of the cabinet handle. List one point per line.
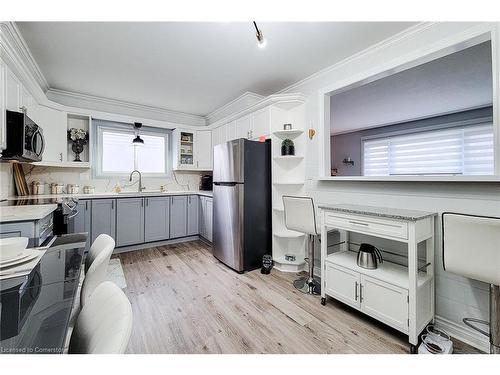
(86, 205)
(147, 201)
(356, 291)
(113, 204)
(142, 202)
(360, 292)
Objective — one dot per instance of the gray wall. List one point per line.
(349, 144)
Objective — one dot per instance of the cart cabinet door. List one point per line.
(343, 284)
(384, 301)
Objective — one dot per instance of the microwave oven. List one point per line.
(25, 140)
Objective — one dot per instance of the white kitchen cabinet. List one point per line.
(53, 123)
(231, 131)
(386, 302)
(192, 150)
(343, 284)
(204, 151)
(261, 125)
(26, 101)
(244, 127)
(3, 119)
(379, 299)
(13, 91)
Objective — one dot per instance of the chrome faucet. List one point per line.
(141, 188)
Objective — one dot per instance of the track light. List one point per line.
(261, 42)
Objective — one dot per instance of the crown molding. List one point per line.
(405, 34)
(80, 100)
(244, 100)
(17, 51)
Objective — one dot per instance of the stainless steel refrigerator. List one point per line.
(242, 203)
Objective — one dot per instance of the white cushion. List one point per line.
(100, 253)
(104, 324)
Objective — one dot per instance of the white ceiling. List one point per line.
(456, 82)
(187, 66)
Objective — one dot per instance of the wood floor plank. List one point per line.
(185, 301)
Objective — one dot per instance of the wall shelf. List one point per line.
(288, 234)
(294, 133)
(289, 183)
(62, 164)
(288, 157)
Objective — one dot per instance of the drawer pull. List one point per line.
(358, 223)
(356, 291)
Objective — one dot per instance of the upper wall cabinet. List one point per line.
(192, 149)
(12, 91)
(251, 126)
(53, 123)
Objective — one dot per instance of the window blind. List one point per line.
(456, 151)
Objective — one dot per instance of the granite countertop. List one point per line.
(126, 194)
(391, 213)
(25, 213)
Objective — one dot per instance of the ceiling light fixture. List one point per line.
(261, 42)
(137, 141)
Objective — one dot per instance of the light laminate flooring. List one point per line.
(186, 301)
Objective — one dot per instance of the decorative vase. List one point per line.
(287, 148)
(77, 148)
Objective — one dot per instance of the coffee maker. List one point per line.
(206, 182)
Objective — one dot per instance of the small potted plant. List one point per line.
(287, 147)
(79, 137)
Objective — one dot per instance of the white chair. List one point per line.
(300, 216)
(96, 265)
(104, 325)
(471, 248)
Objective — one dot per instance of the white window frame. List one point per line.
(104, 125)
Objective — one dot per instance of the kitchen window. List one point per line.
(117, 157)
(466, 150)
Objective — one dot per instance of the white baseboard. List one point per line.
(467, 335)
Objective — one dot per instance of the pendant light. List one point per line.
(261, 42)
(137, 141)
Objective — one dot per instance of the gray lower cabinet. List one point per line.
(18, 229)
(39, 230)
(193, 209)
(157, 219)
(206, 209)
(129, 221)
(103, 217)
(208, 218)
(178, 216)
(83, 220)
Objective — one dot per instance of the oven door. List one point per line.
(34, 142)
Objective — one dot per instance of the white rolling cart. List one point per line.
(398, 295)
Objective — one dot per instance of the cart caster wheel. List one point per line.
(323, 301)
(413, 349)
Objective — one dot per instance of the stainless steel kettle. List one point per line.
(369, 256)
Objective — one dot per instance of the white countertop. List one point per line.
(25, 213)
(126, 194)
